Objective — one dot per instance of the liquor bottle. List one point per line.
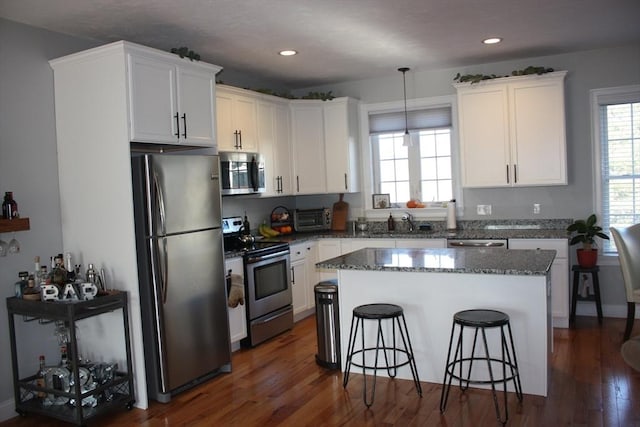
(40, 377)
(43, 276)
(246, 227)
(9, 206)
(391, 225)
(91, 274)
(21, 284)
(64, 360)
(68, 266)
(59, 273)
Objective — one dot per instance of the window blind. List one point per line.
(620, 165)
(416, 119)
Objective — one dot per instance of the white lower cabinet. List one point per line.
(559, 275)
(303, 278)
(237, 315)
(327, 249)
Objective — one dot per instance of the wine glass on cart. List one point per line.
(14, 245)
(4, 248)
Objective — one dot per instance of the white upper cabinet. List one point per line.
(325, 146)
(236, 119)
(273, 137)
(307, 130)
(171, 100)
(512, 131)
(341, 145)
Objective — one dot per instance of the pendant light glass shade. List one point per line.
(406, 141)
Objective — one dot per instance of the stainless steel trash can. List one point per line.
(327, 324)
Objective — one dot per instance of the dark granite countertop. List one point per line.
(530, 262)
(435, 234)
(496, 229)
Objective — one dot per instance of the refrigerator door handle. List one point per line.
(164, 270)
(156, 266)
(160, 204)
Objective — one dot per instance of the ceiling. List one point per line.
(340, 40)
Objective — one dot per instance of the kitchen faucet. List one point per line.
(408, 218)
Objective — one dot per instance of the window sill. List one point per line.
(417, 213)
(608, 259)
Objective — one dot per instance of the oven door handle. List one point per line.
(259, 258)
(274, 315)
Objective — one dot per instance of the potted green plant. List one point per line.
(585, 232)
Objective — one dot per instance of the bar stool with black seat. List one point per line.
(394, 356)
(479, 321)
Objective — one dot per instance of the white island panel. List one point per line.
(430, 301)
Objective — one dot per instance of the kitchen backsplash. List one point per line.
(543, 224)
(259, 209)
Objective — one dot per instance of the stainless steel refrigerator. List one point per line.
(183, 299)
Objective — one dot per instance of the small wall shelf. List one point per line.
(17, 224)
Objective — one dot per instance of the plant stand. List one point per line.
(577, 271)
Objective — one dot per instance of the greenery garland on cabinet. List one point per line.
(477, 78)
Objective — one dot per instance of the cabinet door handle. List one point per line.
(240, 135)
(345, 182)
(184, 121)
(297, 183)
(293, 275)
(515, 174)
(507, 174)
(177, 134)
(235, 138)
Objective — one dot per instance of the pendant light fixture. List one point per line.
(407, 139)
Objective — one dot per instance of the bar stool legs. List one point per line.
(392, 362)
(480, 320)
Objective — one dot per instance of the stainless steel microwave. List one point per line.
(241, 173)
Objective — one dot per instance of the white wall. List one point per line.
(28, 166)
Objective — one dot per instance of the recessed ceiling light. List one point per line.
(288, 52)
(492, 40)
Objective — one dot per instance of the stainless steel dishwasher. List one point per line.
(477, 243)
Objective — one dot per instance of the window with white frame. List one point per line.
(421, 170)
(616, 120)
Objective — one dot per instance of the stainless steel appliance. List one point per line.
(181, 271)
(267, 279)
(477, 243)
(312, 219)
(241, 173)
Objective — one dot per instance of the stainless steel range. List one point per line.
(267, 280)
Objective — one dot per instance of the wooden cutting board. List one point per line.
(339, 215)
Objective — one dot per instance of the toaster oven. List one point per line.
(312, 219)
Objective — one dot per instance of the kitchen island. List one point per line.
(433, 284)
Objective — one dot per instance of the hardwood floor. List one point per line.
(279, 383)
